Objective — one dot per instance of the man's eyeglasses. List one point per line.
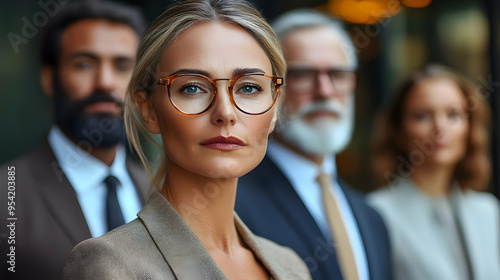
(193, 94)
(303, 80)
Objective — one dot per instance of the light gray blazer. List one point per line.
(160, 245)
(419, 248)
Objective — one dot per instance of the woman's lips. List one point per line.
(440, 145)
(222, 143)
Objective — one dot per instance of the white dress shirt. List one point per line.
(302, 174)
(86, 174)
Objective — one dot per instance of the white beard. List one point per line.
(321, 136)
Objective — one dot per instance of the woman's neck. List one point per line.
(206, 205)
(434, 181)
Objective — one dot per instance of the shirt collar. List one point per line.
(84, 171)
(298, 168)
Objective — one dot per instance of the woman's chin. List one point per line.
(226, 171)
(443, 160)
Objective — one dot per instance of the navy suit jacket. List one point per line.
(270, 207)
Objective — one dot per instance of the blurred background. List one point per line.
(393, 38)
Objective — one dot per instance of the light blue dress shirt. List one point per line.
(302, 174)
(86, 174)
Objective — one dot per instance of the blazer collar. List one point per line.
(265, 254)
(183, 250)
(58, 194)
(270, 179)
(285, 198)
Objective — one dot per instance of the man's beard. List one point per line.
(94, 130)
(323, 135)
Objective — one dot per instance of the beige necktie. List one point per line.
(343, 246)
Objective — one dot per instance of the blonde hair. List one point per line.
(163, 31)
(473, 171)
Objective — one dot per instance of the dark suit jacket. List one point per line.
(270, 207)
(50, 221)
(160, 245)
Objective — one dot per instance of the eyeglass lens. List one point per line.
(306, 79)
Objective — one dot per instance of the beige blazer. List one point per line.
(160, 245)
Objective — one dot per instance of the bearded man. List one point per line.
(80, 183)
(294, 197)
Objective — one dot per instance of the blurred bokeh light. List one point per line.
(370, 11)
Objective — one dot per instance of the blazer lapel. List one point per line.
(180, 247)
(471, 237)
(58, 194)
(265, 254)
(260, 252)
(287, 201)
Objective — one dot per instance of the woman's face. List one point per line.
(222, 142)
(435, 123)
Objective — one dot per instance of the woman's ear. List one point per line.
(148, 113)
(273, 122)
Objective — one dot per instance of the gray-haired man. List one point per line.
(282, 198)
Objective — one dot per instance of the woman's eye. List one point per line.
(455, 114)
(250, 89)
(420, 116)
(191, 89)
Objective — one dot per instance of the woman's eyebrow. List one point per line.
(191, 71)
(236, 72)
(241, 71)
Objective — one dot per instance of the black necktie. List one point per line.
(113, 212)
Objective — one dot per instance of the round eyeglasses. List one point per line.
(303, 80)
(193, 94)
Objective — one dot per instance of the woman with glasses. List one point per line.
(432, 151)
(207, 80)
